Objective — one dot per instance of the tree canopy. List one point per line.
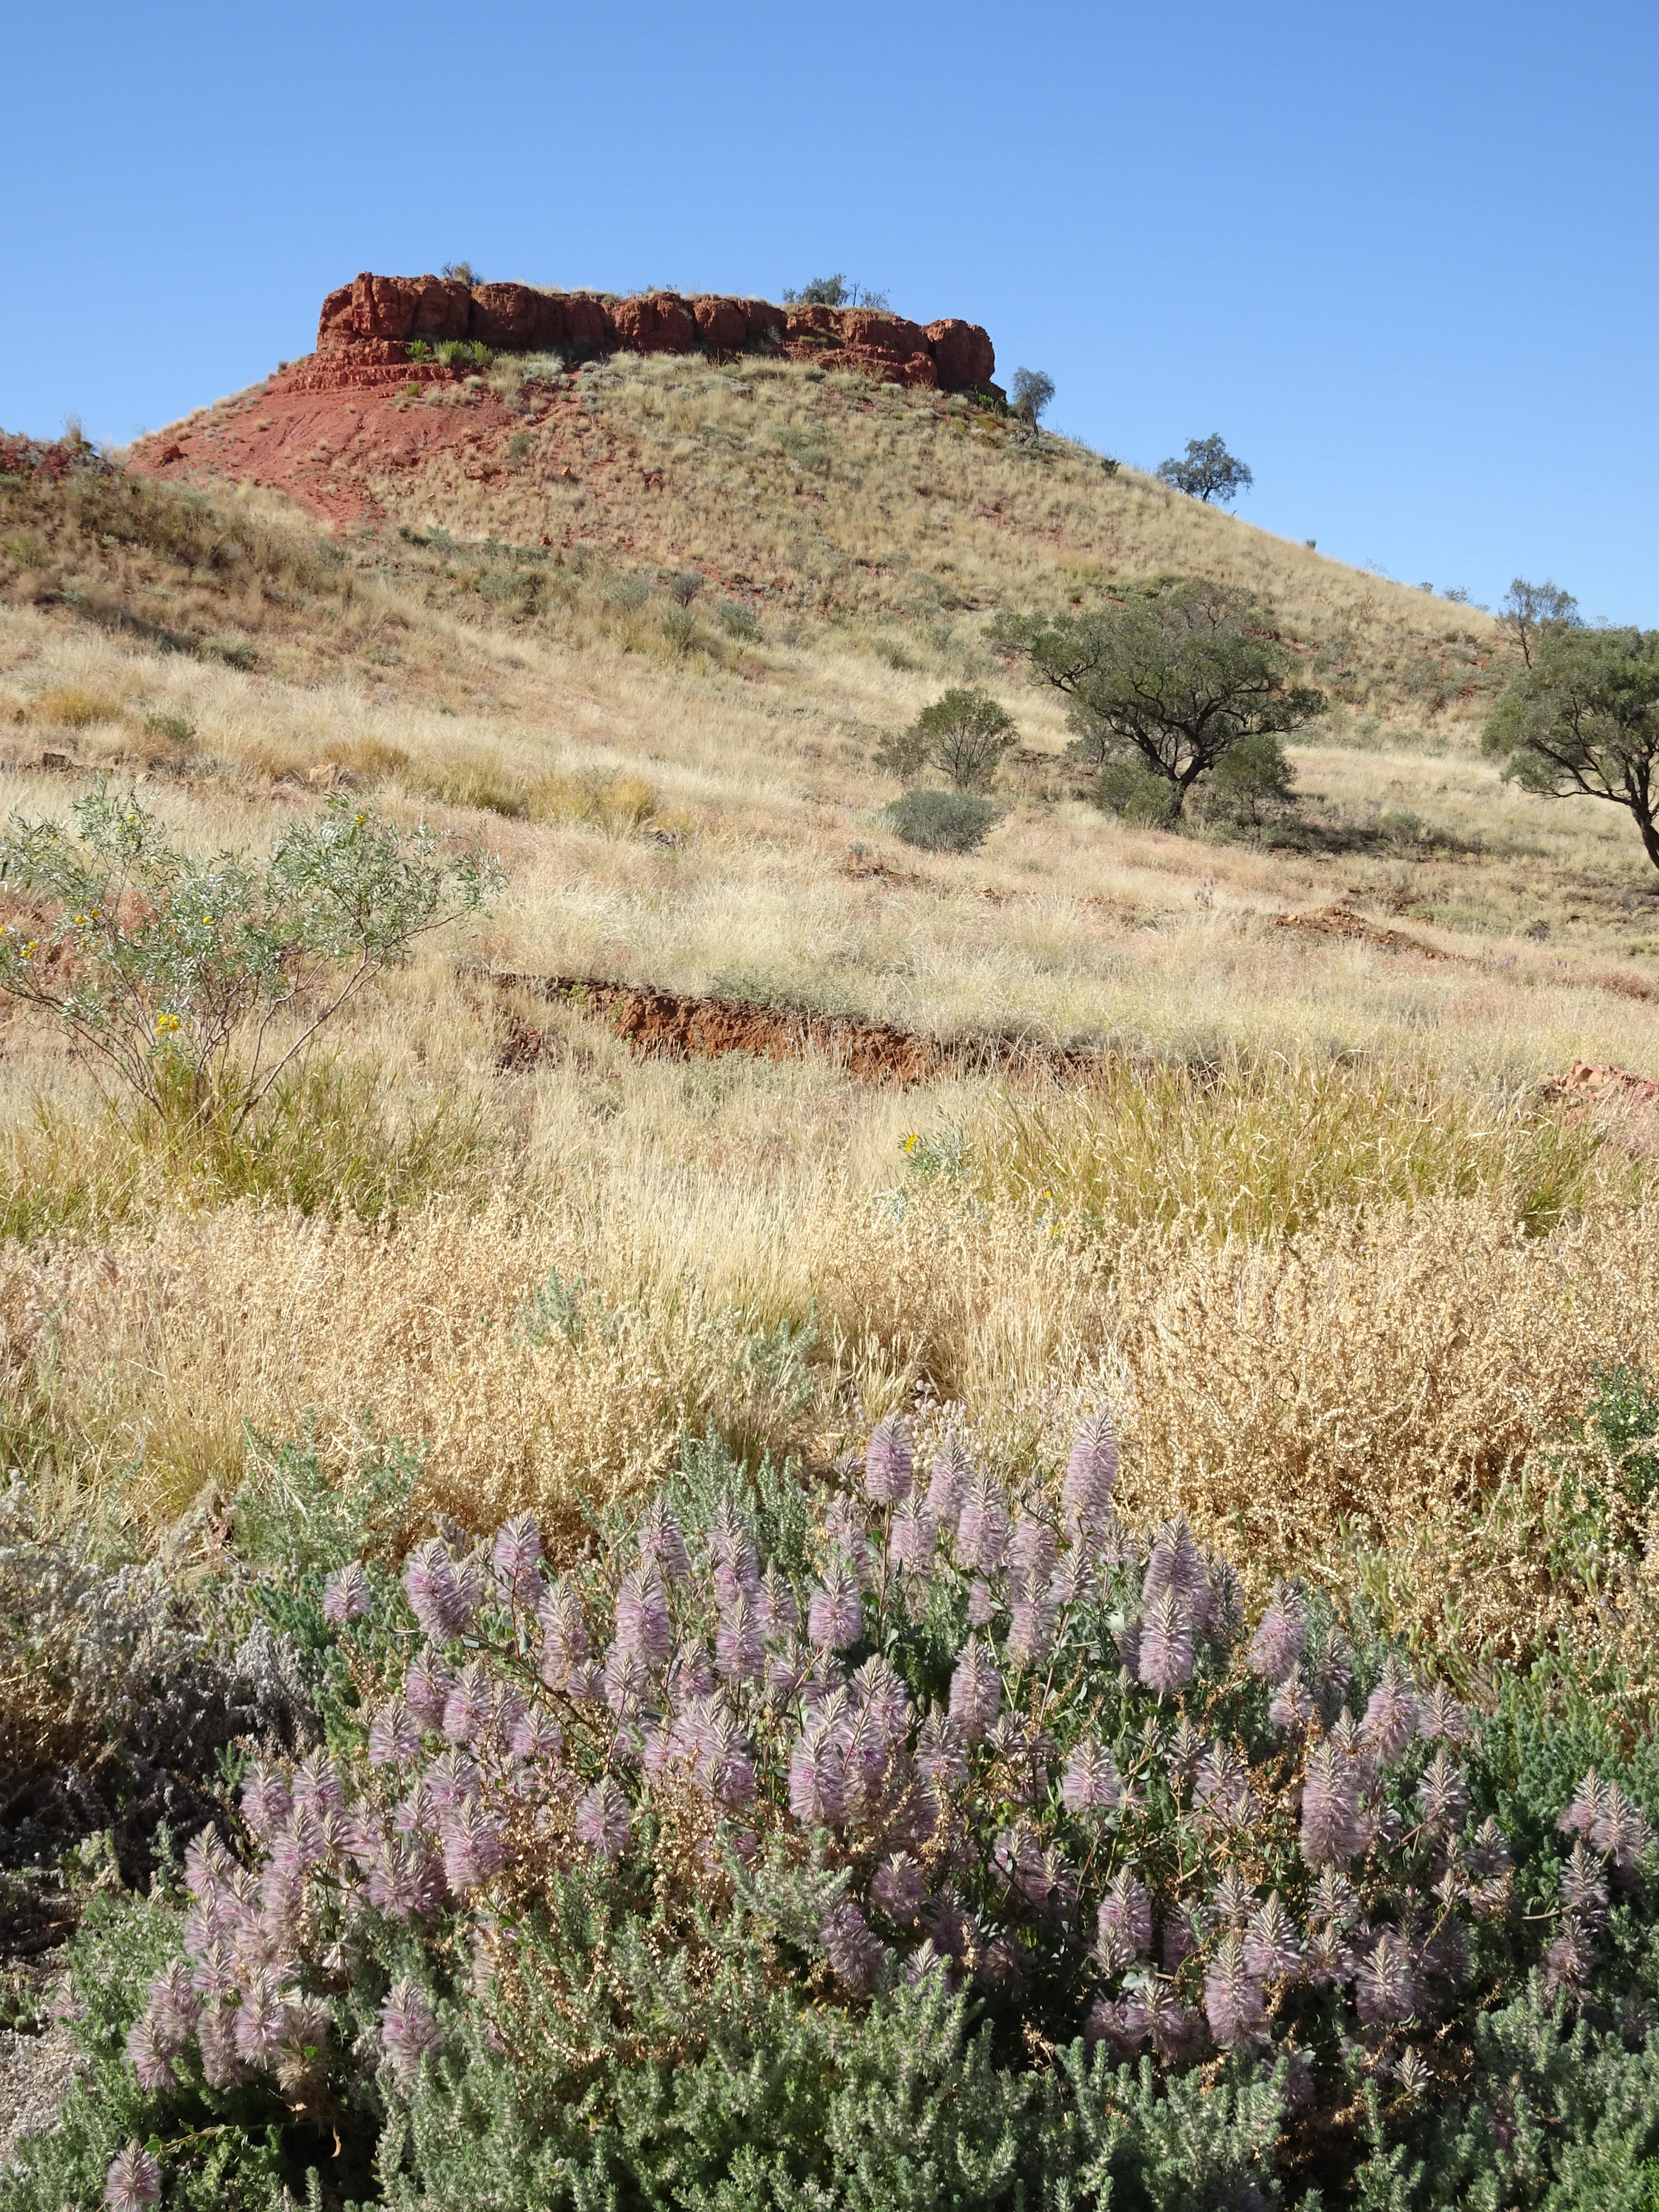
(1207, 472)
(1031, 392)
(1581, 721)
(1176, 680)
(963, 735)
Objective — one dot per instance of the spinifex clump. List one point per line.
(999, 1746)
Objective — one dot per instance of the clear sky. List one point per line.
(1402, 256)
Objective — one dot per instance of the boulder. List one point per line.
(882, 333)
(334, 325)
(384, 307)
(765, 322)
(963, 352)
(443, 308)
(656, 322)
(723, 324)
(515, 317)
(587, 323)
(813, 325)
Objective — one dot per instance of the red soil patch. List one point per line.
(1342, 922)
(1588, 1082)
(681, 1026)
(322, 439)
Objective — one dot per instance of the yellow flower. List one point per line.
(30, 948)
(913, 1141)
(164, 1023)
(81, 920)
(207, 921)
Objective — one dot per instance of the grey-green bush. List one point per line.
(942, 821)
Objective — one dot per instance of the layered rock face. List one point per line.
(368, 326)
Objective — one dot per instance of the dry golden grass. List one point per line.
(1312, 1232)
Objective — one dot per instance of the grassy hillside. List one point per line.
(1258, 1139)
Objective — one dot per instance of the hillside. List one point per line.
(1250, 1236)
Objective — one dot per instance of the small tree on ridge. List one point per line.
(1208, 472)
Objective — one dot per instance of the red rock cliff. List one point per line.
(366, 327)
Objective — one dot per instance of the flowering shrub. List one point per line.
(162, 966)
(962, 1834)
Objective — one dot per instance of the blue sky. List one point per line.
(1402, 258)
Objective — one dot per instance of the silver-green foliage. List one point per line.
(175, 972)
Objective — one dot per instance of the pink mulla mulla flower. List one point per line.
(148, 2056)
(1232, 1900)
(878, 1687)
(914, 1543)
(565, 1640)
(855, 1953)
(298, 1845)
(426, 1685)
(1441, 1795)
(975, 1691)
(899, 1886)
(1092, 1783)
(691, 1673)
(941, 1753)
(1232, 1998)
(439, 1597)
(728, 1766)
(408, 2030)
(1032, 1622)
(787, 1669)
(516, 1560)
(1222, 1784)
(739, 1651)
(1271, 1947)
(625, 1683)
(347, 1595)
(645, 1626)
(215, 2038)
(260, 2018)
(849, 1540)
(266, 1800)
(1280, 1634)
(1290, 1708)
(1442, 1719)
(816, 1785)
(1155, 2012)
(1124, 1922)
(416, 1814)
(1331, 1829)
(662, 1542)
(737, 1572)
(408, 1881)
(174, 2002)
(474, 1847)
(1390, 1720)
(1175, 1565)
(603, 1821)
(1033, 1549)
(468, 1708)
(208, 1866)
(947, 1484)
(1181, 1937)
(450, 1780)
(534, 1736)
(888, 1463)
(1165, 1656)
(1326, 1958)
(835, 1616)
(1588, 1806)
(1108, 2021)
(394, 1735)
(983, 1605)
(133, 2182)
(1621, 1831)
(214, 1975)
(1085, 1493)
(317, 1785)
(1567, 1962)
(1385, 1982)
(981, 1535)
(775, 1607)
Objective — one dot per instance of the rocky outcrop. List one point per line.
(368, 326)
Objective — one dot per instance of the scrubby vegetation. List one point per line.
(962, 1820)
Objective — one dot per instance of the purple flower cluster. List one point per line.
(973, 1712)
